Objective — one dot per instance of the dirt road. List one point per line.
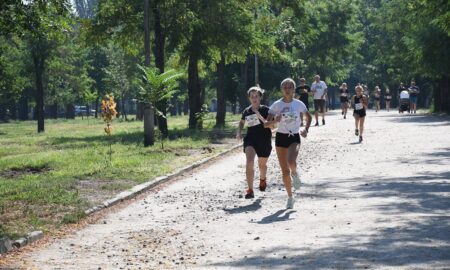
(382, 204)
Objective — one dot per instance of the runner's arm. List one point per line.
(365, 102)
(325, 92)
(239, 130)
(271, 120)
(304, 132)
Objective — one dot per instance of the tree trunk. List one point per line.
(96, 107)
(39, 70)
(23, 108)
(159, 61)
(147, 110)
(149, 126)
(221, 102)
(54, 111)
(70, 111)
(140, 111)
(186, 107)
(174, 107)
(194, 88)
(256, 70)
(124, 114)
(242, 93)
(146, 33)
(3, 117)
(441, 98)
(13, 110)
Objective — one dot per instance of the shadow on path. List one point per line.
(244, 208)
(424, 241)
(277, 216)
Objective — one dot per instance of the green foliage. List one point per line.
(157, 87)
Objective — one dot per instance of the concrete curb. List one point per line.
(136, 190)
(6, 244)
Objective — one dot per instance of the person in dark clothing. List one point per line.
(413, 94)
(304, 91)
(343, 95)
(257, 141)
(360, 104)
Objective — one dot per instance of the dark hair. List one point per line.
(255, 89)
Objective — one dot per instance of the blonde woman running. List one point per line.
(287, 112)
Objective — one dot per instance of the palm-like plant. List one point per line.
(155, 87)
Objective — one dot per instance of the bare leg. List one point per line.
(249, 168)
(262, 164)
(292, 157)
(361, 125)
(282, 154)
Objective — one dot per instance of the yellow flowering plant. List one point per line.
(108, 114)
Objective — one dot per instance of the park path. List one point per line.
(382, 204)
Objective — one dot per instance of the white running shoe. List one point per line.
(290, 203)
(296, 180)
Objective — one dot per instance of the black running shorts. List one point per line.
(359, 113)
(344, 99)
(262, 147)
(285, 140)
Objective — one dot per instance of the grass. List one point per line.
(50, 178)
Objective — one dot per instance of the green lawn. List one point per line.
(51, 178)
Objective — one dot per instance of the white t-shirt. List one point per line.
(290, 115)
(319, 88)
(404, 94)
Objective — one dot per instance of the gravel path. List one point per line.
(382, 204)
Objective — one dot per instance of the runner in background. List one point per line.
(413, 94)
(319, 90)
(344, 94)
(303, 91)
(377, 98)
(388, 99)
(360, 104)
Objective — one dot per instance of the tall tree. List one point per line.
(41, 23)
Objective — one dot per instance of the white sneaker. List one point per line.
(290, 203)
(296, 180)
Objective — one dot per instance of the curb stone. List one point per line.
(136, 190)
(6, 244)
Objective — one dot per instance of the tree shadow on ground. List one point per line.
(425, 241)
(413, 241)
(418, 118)
(439, 157)
(137, 137)
(425, 193)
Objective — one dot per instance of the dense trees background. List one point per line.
(57, 55)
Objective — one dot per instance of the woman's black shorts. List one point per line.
(359, 113)
(262, 147)
(344, 99)
(285, 140)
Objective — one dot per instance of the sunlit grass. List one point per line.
(50, 178)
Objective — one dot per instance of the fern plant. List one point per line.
(156, 87)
